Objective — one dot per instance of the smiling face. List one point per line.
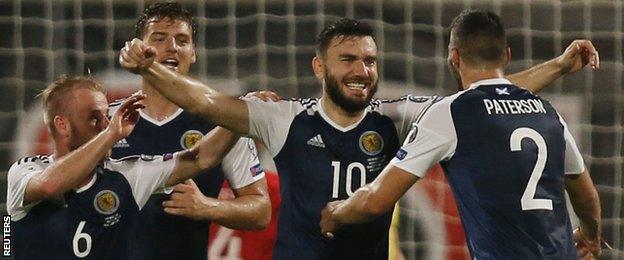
(349, 71)
(173, 42)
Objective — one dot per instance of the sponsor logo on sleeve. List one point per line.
(401, 154)
(167, 157)
(256, 169)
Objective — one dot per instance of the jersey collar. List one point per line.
(163, 122)
(335, 125)
(492, 81)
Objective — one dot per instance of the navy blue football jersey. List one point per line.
(319, 161)
(167, 236)
(95, 221)
(505, 152)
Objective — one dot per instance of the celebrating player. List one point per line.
(324, 149)
(79, 203)
(163, 127)
(507, 155)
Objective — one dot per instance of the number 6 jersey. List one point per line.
(94, 221)
(505, 152)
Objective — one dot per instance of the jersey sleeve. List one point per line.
(573, 159)
(241, 166)
(405, 111)
(18, 177)
(432, 139)
(270, 121)
(144, 173)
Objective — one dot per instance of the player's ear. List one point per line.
(317, 66)
(454, 58)
(507, 56)
(62, 126)
(193, 57)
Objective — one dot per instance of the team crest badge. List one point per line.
(106, 202)
(190, 138)
(371, 143)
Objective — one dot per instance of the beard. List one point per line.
(339, 98)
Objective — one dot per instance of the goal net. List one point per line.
(266, 44)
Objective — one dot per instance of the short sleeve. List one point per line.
(270, 121)
(241, 166)
(432, 139)
(573, 159)
(19, 175)
(405, 111)
(145, 173)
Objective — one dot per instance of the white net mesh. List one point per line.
(269, 45)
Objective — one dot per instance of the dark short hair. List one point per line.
(161, 10)
(55, 96)
(345, 28)
(479, 36)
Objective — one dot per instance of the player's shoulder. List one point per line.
(30, 163)
(408, 101)
(377, 102)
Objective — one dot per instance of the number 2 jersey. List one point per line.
(319, 161)
(505, 152)
(95, 221)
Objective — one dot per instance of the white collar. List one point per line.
(162, 122)
(492, 81)
(334, 124)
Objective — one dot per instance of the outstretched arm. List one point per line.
(191, 95)
(369, 201)
(586, 204)
(70, 170)
(578, 54)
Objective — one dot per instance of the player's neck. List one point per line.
(156, 105)
(470, 76)
(338, 115)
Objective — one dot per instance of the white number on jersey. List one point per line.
(528, 202)
(79, 235)
(225, 237)
(350, 168)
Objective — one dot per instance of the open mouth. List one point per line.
(170, 63)
(356, 85)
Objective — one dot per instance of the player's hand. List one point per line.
(125, 118)
(264, 95)
(587, 249)
(328, 224)
(188, 201)
(136, 56)
(578, 54)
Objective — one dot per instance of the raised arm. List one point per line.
(191, 95)
(70, 170)
(586, 204)
(578, 54)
